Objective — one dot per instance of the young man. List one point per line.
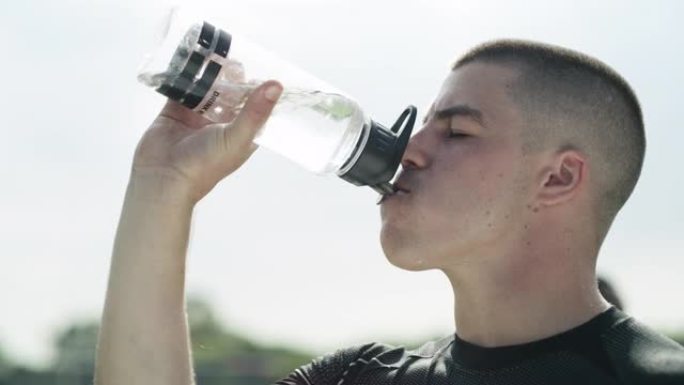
(525, 157)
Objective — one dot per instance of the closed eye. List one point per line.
(457, 135)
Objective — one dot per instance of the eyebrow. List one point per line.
(461, 110)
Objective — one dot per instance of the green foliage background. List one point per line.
(219, 355)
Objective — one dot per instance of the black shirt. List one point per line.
(612, 348)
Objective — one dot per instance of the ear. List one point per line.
(562, 179)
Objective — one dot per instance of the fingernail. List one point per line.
(273, 92)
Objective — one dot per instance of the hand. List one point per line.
(190, 153)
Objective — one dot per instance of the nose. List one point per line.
(415, 156)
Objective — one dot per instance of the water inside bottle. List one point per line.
(318, 130)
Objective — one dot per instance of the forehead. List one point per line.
(482, 86)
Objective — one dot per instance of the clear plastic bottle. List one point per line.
(213, 72)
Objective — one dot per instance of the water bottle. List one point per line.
(211, 71)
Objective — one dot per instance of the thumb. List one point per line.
(253, 115)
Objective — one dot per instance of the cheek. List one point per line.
(477, 188)
(501, 195)
(492, 171)
(475, 173)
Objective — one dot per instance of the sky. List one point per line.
(285, 256)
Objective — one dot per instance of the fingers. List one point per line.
(253, 115)
(176, 111)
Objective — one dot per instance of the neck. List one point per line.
(543, 289)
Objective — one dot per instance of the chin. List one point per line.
(411, 265)
(399, 252)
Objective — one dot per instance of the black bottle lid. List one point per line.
(382, 153)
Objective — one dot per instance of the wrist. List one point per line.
(160, 187)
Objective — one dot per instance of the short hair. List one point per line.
(573, 101)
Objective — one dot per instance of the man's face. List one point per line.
(466, 174)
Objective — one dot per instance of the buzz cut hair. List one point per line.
(570, 100)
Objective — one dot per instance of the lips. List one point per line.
(399, 189)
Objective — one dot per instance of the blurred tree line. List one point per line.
(220, 356)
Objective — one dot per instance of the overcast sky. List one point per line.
(286, 256)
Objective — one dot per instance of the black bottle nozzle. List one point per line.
(382, 153)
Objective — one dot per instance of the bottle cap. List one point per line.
(382, 153)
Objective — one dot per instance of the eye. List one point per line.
(457, 135)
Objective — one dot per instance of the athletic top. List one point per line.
(611, 348)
